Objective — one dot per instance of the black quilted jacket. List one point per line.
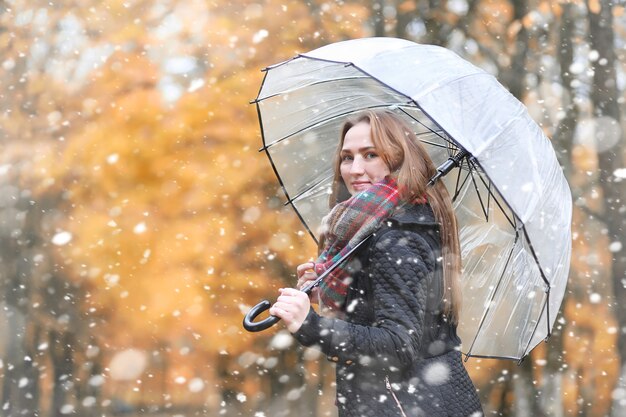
(396, 354)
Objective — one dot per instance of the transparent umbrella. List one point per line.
(509, 193)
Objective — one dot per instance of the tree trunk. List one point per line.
(526, 402)
(20, 389)
(403, 18)
(29, 381)
(564, 133)
(21, 378)
(618, 408)
(84, 388)
(610, 155)
(551, 398)
(13, 359)
(514, 79)
(432, 21)
(522, 406)
(61, 345)
(377, 16)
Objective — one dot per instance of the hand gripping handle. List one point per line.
(248, 320)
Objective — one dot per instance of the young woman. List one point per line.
(396, 302)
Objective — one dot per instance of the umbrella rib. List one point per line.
(493, 295)
(530, 339)
(532, 251)
(456, 185)
(458, 188)
(280, 64)
(513, 222)
(258, 110)
(548, 312)
(490, 357)
(291, 200)
(437, 145)
(480, 200)
(430, 130)
(420, 122)
(489, 197)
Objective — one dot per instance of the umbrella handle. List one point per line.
(248, 320)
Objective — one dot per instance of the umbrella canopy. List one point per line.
(510, 196)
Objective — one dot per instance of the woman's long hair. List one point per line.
(412, 168)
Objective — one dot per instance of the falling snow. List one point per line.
(127, 365)
(260, 36)
(620, 173)
(62, 238)
(196, 385)
(595, 298)
(282, 340)
(437, 373)
(139, 228)
(195, 85)
(615, 246)
(67, 409)
(113, 158)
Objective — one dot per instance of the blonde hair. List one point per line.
(411, 166)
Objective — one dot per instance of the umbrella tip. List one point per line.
(434, 179)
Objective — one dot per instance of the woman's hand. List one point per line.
(292, 306)
(306, 275)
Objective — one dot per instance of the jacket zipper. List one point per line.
(393, 394)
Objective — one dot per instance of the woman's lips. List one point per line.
(361, 185)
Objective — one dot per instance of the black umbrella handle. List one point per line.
(248, 321)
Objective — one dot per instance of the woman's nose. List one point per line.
(357, 166)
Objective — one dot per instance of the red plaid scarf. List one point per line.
(348, 223)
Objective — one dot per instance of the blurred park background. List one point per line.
(138, 221)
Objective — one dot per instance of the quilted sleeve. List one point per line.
(400, 263)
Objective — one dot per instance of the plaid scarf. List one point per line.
(344, 227)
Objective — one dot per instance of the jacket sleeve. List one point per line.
(399, 267)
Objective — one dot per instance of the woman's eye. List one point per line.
(371, 155)
(346, 158)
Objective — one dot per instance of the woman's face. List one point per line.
(361, 164)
